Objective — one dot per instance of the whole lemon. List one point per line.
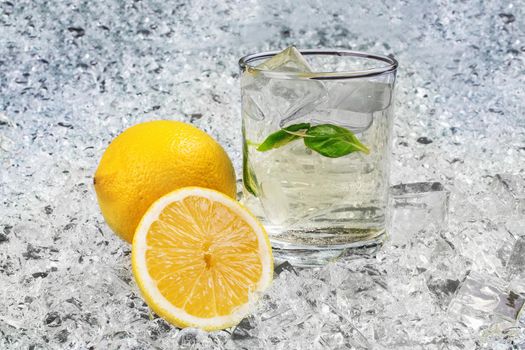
(152, 159)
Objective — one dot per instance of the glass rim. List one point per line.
(392, 64)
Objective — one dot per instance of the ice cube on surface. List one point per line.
(417, 206)
(482, 300)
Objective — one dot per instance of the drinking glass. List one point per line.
(317, 135)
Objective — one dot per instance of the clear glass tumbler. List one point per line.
(316, 147)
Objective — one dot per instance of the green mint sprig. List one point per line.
(326, 139)
(283, 136)
(248, 176)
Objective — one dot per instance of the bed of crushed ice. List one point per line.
(74, 74)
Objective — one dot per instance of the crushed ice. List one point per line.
(73, 75)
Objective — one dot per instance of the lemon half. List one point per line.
(200, 259)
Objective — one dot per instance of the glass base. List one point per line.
(304, 255)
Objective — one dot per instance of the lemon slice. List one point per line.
(200, 259)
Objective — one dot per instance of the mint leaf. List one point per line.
(333, 141)
(326, 139)
(248, 177)
(283, 136)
